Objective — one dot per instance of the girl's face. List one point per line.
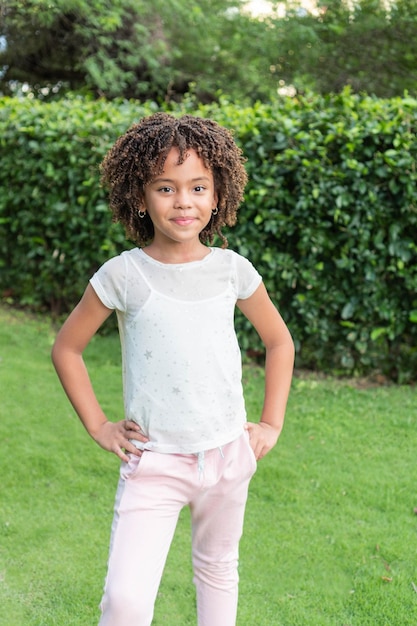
(180, 199)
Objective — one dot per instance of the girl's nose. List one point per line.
(182, 200)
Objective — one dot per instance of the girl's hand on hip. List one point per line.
(262, 438)
(115, 437)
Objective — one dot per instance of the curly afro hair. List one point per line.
(139, 155)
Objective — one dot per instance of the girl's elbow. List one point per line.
(283, 346)
(55, 353)
(58, 353)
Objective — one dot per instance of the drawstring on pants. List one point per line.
(201, 461)
(200, 457)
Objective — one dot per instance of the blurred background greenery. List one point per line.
(166, 48)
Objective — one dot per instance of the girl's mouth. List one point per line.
(183, 221)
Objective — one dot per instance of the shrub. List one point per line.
(329, 215)
(330, 219)
(55, 227)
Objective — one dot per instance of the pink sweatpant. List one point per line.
(149, 498)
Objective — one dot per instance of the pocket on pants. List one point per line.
(130, 468)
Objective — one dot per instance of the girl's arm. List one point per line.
(279, 364)
(71, 341)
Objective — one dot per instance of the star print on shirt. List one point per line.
(148, 354)
(176, 390)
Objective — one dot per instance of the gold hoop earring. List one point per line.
(215, 211)
(142, 214)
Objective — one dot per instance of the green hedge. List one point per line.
(54, 221)
(329, 216)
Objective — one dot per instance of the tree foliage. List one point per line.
(166, 48)
(366, 44)
(133, 48)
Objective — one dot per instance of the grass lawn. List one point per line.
(330, 535)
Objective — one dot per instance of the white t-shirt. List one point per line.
(181, 360)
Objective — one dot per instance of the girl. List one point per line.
(174, 183)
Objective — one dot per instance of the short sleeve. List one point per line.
(109, 283)
(248, 278)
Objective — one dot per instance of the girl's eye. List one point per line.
(165, 189)
(199, 188)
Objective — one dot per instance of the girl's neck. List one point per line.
(176, 254)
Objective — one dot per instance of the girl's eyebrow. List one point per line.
(170, 180)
